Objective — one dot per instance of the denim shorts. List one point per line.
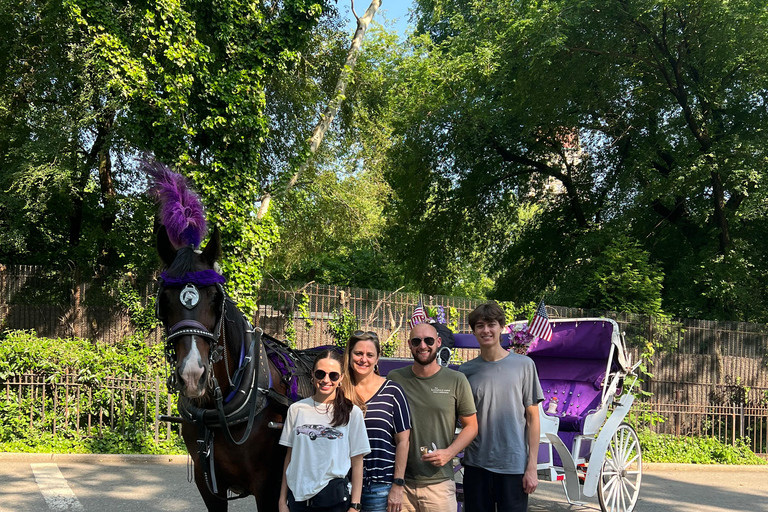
(374, 497)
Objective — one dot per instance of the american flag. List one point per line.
(539, 326)
(419, 315)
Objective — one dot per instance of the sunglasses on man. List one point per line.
(429, 340)
(320, 375)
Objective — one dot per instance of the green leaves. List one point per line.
(694, 450)
(534, 133)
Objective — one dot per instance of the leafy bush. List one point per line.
(342, 327)
(23, 352)
(29, 417)
(694, 450)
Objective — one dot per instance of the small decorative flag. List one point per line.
(539, 326)
(419, 315)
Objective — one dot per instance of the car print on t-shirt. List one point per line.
(315, 431)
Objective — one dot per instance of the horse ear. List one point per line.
(165, 248)
(212, 251)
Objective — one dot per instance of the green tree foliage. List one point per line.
(617, 276)
(86, 86)
(525, 135)
(334, 219)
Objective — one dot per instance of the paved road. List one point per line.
(119, 484)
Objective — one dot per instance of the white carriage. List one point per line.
(586, 374)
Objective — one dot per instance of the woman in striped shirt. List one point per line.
(387, 420)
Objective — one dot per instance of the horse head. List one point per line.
(190, 304)
(191, 300)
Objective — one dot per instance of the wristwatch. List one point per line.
(356, 506)
(398, 481)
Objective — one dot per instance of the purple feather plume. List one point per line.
(181, 211)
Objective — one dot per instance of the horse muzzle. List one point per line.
(191, 371)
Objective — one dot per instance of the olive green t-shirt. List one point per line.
(436, 402)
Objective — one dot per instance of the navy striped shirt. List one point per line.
(387, 413)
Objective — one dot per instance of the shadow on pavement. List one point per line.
(673, 491)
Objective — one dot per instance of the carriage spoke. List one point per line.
(624, 445)
(621, 472)
(623, 502)
(615, 497)
(611, 485)
(630, 484)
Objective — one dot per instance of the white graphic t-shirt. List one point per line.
(320, 452)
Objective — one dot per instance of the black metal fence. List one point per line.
(700, 370)
(66, 405)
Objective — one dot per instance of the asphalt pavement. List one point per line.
(43, 483)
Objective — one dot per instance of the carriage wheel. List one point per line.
(619, 483)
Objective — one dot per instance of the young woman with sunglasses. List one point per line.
(387, 419)
(325, 435)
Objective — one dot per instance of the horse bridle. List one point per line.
(189, 327)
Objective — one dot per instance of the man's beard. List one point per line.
(432, 357)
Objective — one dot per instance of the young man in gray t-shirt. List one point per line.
(500, 463)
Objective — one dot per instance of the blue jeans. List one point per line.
(374, 497)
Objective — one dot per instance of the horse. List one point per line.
(231, 396)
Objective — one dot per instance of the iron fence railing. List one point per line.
(66, 404)
(727, 423)
(697, 364)
(87, 408)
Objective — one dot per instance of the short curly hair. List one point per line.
(487, 311)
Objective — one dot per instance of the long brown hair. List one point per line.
(349, 375)
(342, 406)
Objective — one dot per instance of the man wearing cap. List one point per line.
(437, 397)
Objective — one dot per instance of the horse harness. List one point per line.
(251, 382)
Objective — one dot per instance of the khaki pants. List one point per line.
(439, 497)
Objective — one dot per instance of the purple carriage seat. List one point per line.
(572, 367)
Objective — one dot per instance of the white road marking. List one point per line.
(53, 486)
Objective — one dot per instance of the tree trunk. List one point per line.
(106, 184)
(108, 196)
(718, 196)
(333, 105)
(78, 201)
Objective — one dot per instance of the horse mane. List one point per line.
(181, 211)
(237, 326)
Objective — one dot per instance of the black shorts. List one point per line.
(302, 506)
(485, 490)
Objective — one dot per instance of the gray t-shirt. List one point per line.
(435, 403)
(502, 390)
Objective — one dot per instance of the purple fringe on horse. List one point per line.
(201, 278)
(181, 212)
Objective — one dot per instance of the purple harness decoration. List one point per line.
(201, 279)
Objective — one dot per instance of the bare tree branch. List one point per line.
(334, 104)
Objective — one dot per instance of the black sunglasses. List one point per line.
(320, 375)
(372, 334)
(417, 341)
